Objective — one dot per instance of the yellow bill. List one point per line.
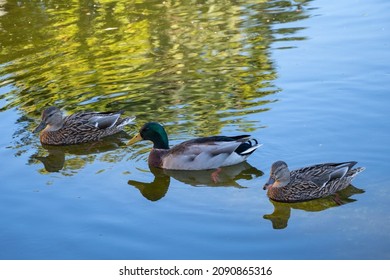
(135, 139)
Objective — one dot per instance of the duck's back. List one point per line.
(84, 127)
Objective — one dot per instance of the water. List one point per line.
(308, 79)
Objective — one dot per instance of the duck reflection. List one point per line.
(228, 176)
(57, 156)
(156, 189)
(282, 210)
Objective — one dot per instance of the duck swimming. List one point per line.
(197, 154)
(310, 182)
(80, 127)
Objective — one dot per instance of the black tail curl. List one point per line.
(241, 150)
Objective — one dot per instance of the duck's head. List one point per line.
(154, 132)
(52, 118)
(279, 177)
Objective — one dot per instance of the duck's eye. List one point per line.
(48, 116)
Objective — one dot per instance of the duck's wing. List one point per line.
(207, 153)
(322, 174)
(97, 120)
(103, 121)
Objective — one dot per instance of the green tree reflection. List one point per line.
(203, 64)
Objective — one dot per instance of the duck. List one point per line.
(202, 153)
(80, 127)
(307, 183)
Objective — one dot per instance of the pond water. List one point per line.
(309, 79)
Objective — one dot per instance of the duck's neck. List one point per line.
(161, 142)
(156, 157)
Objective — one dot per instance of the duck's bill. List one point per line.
(135, 139)
(41, 126)
(269, 184)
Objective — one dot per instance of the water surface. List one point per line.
(308, 79)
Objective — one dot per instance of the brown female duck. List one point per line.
(308, 183)
(196, 154)
(80, 127)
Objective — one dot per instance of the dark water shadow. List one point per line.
(282, 211)
(76, 157)
(229, 176)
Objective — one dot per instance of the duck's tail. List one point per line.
(353, 172)
(248, 147)
(125, 121)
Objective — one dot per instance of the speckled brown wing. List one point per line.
(85, 127)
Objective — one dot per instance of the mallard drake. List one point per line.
(80, 127)
(308, 183)
(196, 154)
